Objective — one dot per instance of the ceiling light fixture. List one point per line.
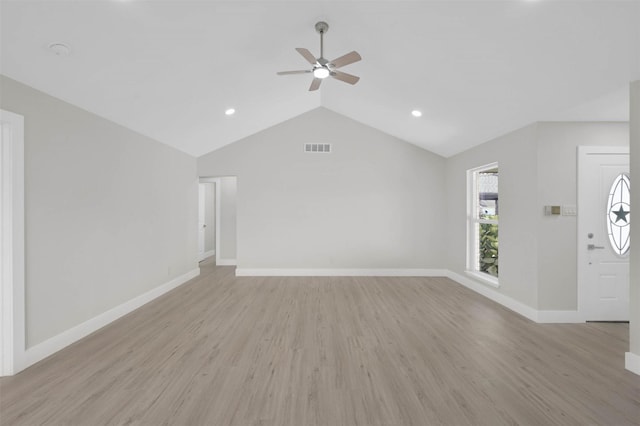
(416, 113)
(230, 111)
(321, 72)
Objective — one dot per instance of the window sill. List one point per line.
(484, 278)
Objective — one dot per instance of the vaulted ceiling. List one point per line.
(476, 69)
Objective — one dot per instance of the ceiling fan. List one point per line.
(322, 68)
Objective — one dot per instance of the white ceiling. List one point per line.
(476, 69)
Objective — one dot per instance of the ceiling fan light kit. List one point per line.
(322, 68)
(321, 72)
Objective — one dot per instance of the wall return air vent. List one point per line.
(316, 148)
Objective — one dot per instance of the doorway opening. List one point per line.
(225, 190)
(206, 220)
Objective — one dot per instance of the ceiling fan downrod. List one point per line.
(322, 27)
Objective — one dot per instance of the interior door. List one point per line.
(603, 234)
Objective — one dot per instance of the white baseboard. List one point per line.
(66, 338)
(323, 272)
(560, 317)
(225, 262)
(488, 292)
(516, 306)
(206, 255)
(632, 362)
(485, 290)
(60, 341)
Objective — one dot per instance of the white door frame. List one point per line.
(583, 151)
(201, 221)
(12, 328)
(218, 193)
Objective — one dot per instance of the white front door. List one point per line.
(603, 222)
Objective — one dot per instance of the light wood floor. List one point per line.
(222, 350)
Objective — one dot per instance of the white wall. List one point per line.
(374, 202)
(110, 214)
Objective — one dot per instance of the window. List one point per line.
(482, 227)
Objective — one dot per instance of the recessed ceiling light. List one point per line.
(60, 49)
(230, 111)
(416, 113)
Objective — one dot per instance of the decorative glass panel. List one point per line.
(619, 215)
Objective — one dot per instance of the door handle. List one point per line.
(593, 247)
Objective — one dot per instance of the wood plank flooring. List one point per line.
(222, 350)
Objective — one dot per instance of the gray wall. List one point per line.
(557, 185)
(537, 168)
(374, 202)
(110, 214)
(228, 218)
(515, 154)
(210, 217)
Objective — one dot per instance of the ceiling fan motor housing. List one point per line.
(322, 27)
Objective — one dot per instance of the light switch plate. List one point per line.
(569, 210)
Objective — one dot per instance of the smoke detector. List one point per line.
(60, 49)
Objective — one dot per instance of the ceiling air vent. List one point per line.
(317, 147)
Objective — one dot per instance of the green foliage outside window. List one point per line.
(489, 248)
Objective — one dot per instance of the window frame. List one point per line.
(473, 226)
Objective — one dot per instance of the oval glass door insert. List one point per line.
(619, 215)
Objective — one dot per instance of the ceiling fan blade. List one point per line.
(307, 55)
(343, 76)
(347, 59)
(293, 72)
(315, 84)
